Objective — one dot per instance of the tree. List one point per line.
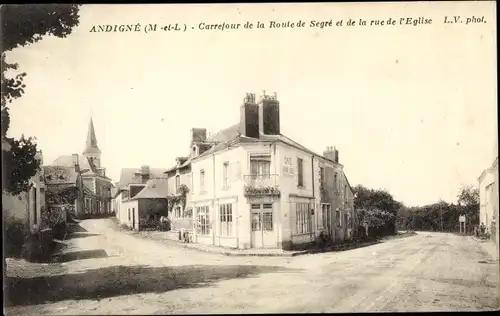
(23, 25)
(377, 209)
(468, 199)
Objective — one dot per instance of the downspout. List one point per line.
(313, 195)
(276, 179)
(213, 202)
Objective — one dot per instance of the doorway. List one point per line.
(263, 226)
(133, 218)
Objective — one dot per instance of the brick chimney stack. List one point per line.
(249, 117)
(269, 114)
(331, 153)
(144, 173)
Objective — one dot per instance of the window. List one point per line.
(322, 175)
(178, 212)
(335, 181)
(338, 218)
(134, 189)
(129, 215)
(226, 219)
(225, 174)
(345, 194)
(262, 217)
(203, 227)
(324, 216)
(256, 224)
(177, 183)
(267, 220)
(260, 165)
(300, 170)
(202, 180)
(303, 218)
(345, 219)
(287, 166)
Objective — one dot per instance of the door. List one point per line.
(327, 209)
(263, 226)
(133, 218)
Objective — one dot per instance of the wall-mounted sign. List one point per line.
(287, 166)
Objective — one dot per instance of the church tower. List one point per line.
(92, 152)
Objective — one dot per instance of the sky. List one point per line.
(411, 109)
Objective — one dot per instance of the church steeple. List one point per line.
(91, 139)
(92, 151)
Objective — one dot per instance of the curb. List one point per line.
(225, 252)
(478, 240)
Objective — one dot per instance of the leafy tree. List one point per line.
(23, 25)
(442, 216)
(468, 199)
(377, 209)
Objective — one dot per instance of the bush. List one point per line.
(323, 240)
(59, 230)
(38, 247)
(16, 231)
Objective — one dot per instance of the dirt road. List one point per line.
(110, 272)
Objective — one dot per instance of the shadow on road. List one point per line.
(76, 228)
(83, 254)
(124, 280)
(80, 235)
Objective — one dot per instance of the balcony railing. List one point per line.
(261, 184)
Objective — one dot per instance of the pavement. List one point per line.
(260, 252)
(105, 271)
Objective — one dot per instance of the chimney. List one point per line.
(76, 162)
(269, 114)
(249, 117)
(331, 153)
(198, 135)
(144, 173)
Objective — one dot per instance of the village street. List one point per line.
(116, 273)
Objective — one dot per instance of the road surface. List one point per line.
(110, 272)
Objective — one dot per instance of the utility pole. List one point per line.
(441, 219)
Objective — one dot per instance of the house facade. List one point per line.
(132, 182)
(488, 198)
(28, 206)
(181, 215)
(252, 187)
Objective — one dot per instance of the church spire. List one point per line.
(91, 143)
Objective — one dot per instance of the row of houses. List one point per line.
(247, 186)
(78, 174)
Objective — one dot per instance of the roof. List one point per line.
(132, 176)
(154, 189)
(225, 134)
(59, 175)
(67, 160)
(231, 136)
(91, 143)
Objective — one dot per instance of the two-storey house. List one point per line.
(252, 187)
(179, 177)
(140, 194)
